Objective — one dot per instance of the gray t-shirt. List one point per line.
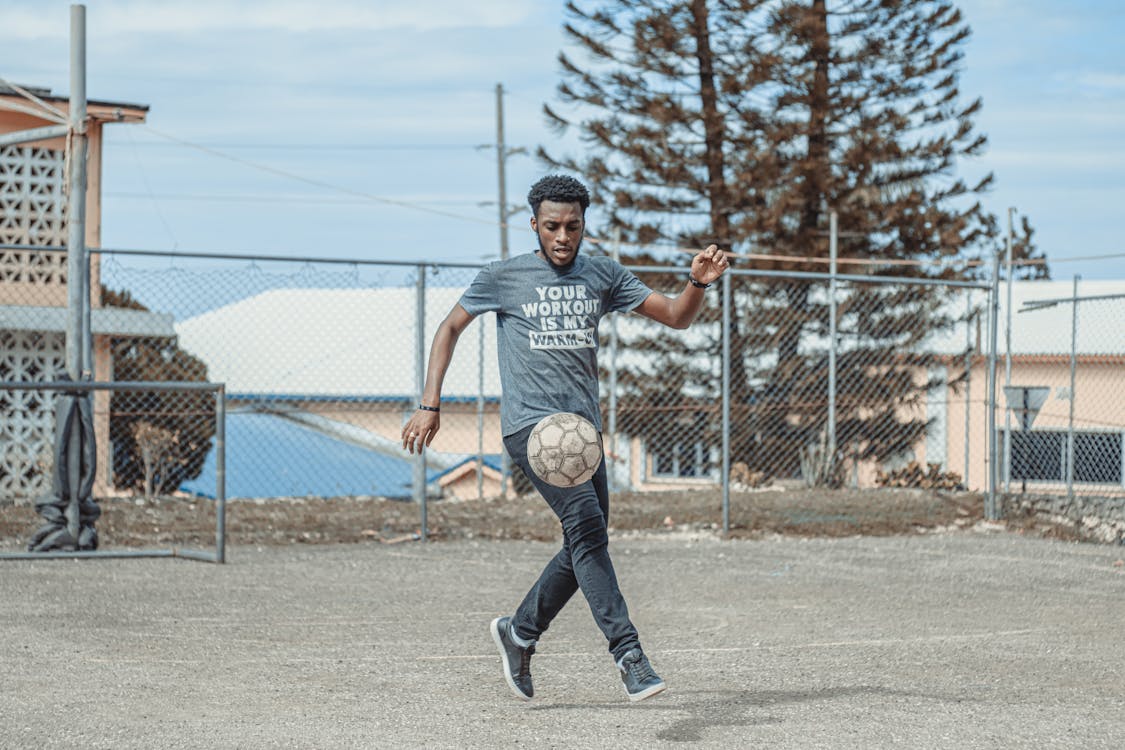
(547, 331)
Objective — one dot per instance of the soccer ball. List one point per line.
(564, 449)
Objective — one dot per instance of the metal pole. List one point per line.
(1026, 406)
(77, 267)
(612, 416)
(833, 238)
(990, 510)
(501, 156)
(221, 473)
(33, 134)
(1008, 360)
(480, 409)
(502, 202)
(726, 400)
(420, 380)
(968, 380)
(1073, 369)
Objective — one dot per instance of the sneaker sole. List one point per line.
(646, 693)
(495, 628)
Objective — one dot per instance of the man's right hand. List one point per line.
(420, 430)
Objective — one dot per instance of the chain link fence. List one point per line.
(1061, 437)
(882, 409)
(322, 363)
(320, 368)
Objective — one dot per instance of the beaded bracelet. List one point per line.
(697, 284)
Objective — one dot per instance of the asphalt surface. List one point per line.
(960, 640)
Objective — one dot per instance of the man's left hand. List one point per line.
(709, 265)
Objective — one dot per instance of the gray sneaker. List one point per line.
(517, 660)
(637, 675)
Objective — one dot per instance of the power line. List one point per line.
(594, 239)
(268, 198)
(316, 183)
(324, 146)
(148, 189)
(956, 262)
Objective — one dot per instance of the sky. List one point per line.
(359, 129)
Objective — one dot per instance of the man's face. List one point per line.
(560, 227)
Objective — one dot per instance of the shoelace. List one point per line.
(525, 660)
(641, 670)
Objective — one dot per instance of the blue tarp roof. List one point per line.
(269, 456)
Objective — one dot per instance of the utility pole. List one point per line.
(501, 158)
(504, 212)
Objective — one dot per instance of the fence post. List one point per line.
(78, 355)
(480, 410)
(726, 400)
(221, 473)
(420, 380)
(990, 509)
(1073, 368)
(611, 417)
(833, 235)
(77, 262)
(969, 316)
(1008, 359)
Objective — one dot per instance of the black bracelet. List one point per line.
(697, 284)
(423, 407)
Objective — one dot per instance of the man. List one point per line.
(547, 306)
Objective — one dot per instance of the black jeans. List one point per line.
(582, 563)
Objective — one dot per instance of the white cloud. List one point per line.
(1062, 157)
(44, 20)
(1100, 81)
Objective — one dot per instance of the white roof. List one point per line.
(1046, 330)
(361, 342)
(335, 342)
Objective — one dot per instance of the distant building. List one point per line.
(1041, 356)
(342, 363)
(33, 294)
(323, 367)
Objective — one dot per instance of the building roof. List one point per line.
(361, 342)
(335, 342)
(1046, 331)
(110, 321)
(101, 107)
(270, 456)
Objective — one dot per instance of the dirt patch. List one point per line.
(128, 522)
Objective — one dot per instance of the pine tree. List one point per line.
(745, 122)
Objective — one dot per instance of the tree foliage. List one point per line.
(160, 439)
(744, 123)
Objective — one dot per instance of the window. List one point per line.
(679, 460)
(1097, 457)
(1041, 456)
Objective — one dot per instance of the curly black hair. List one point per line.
(558, 189)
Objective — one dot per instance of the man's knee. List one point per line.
(588, 532)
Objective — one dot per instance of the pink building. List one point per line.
(33, 295)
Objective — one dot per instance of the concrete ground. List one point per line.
(960, 640)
